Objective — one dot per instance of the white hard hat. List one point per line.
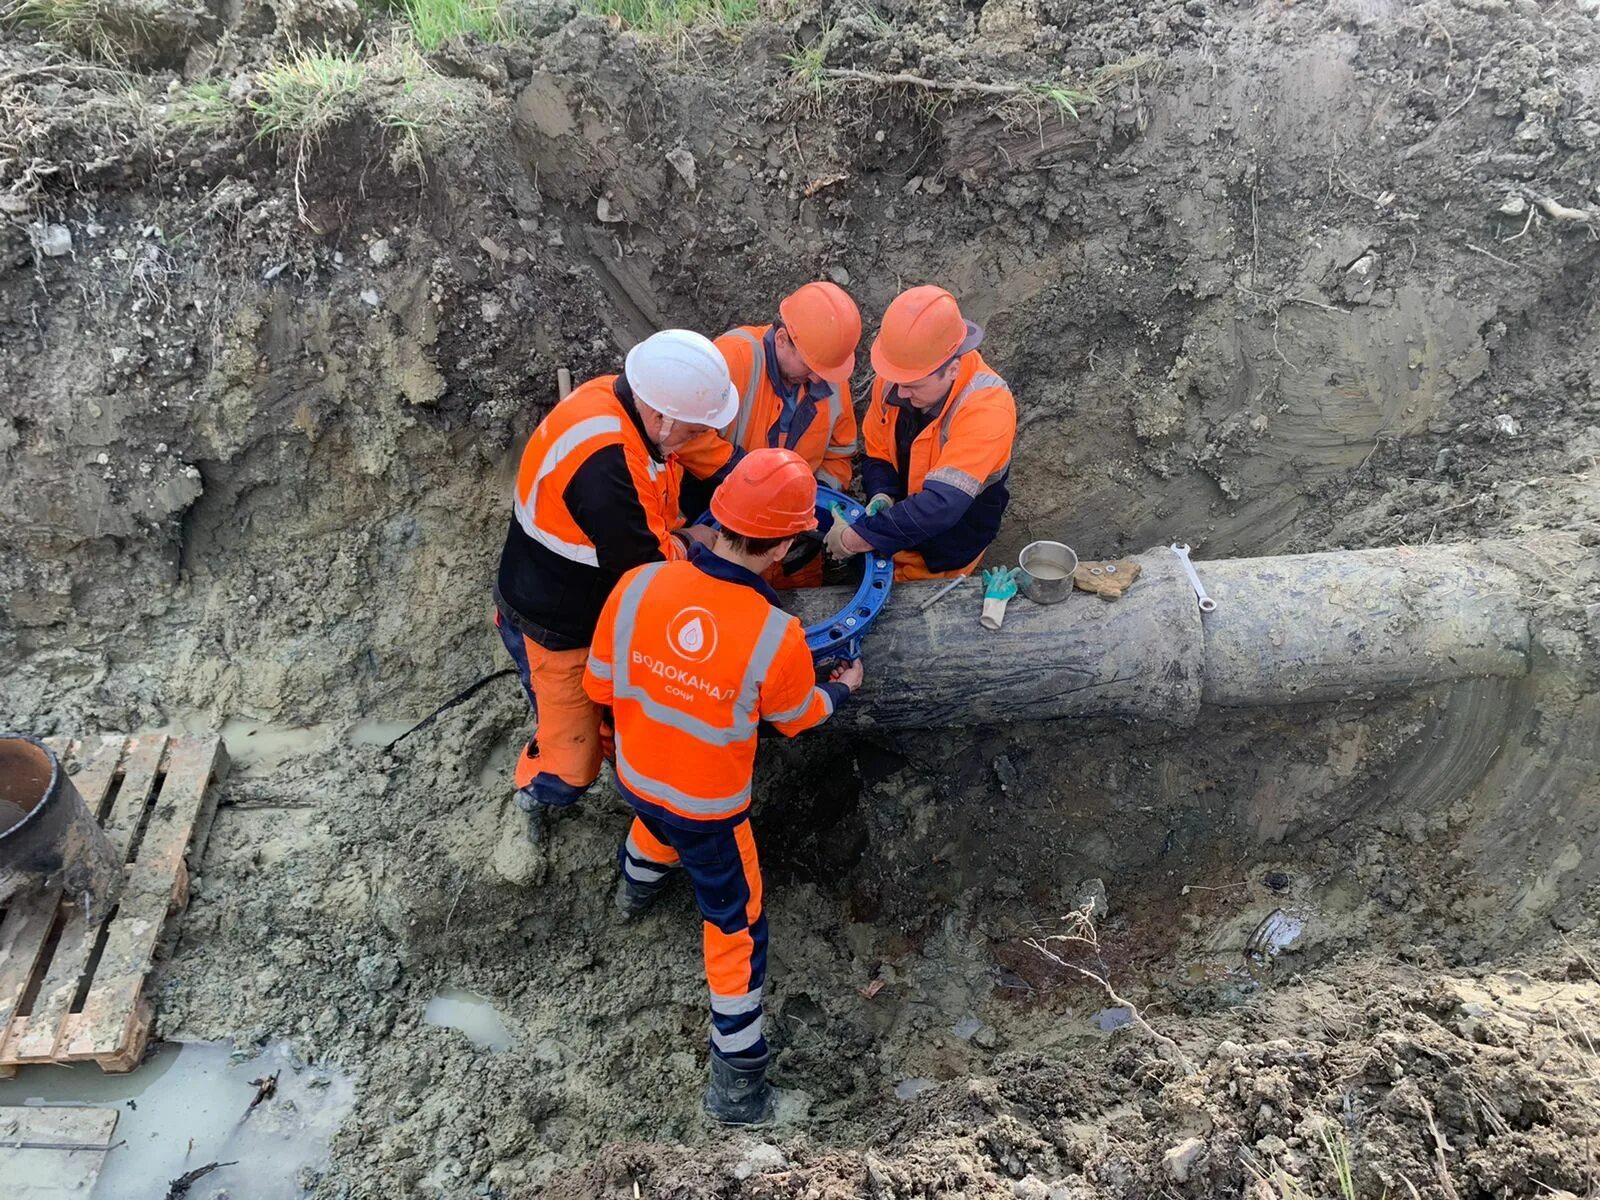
(683, 376)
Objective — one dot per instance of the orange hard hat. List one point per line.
(825, 326)
(769, 493)
(921, 331)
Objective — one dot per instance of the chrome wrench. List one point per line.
(1207, 604)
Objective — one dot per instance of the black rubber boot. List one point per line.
(739, 1093)
(631, 901)
(538, 815)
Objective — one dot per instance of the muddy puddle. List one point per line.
(189, 1105)
(471, 1015)
(263, 746)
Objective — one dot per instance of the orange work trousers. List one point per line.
(808, 576)
(563, 758)
(908, 565)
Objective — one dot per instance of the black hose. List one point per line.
(460, 697)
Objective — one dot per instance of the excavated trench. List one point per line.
(258, 430)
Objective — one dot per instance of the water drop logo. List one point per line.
(692, 637)
(693, 634)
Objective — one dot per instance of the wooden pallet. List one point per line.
(74, 992)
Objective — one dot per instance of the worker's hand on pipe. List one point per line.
(878, 503)
(703, 534)
(1000, 583)
(850, 674)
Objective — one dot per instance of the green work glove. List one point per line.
(1000, 583)
(878, 503)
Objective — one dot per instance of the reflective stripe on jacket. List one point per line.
(588, 420)
(592, 500)
(965, 447)
(691, 664)
(822, 429)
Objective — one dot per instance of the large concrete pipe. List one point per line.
(1294, 628)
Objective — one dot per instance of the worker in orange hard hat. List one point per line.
(692, 657)
(793, 377)
(939, 432)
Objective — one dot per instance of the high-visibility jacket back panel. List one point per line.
(690, 665)
(826, 439)
(591, 418)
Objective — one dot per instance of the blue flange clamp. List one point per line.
(840, 635)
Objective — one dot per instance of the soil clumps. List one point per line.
(1265, 278)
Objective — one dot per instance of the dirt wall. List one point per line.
(1292, 283)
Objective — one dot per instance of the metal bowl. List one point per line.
(1047, 569)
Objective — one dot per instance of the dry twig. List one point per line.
(1497, 258)
(1441, 1168)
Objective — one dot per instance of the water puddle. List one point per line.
(1108, 1019)
(375, 732)
(470, 1014)
(255, 746)
(189, 1105)
(910, 1089)
(252, 746)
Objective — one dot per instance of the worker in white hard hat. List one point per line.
(596, 495)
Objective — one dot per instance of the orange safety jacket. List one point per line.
(822, 428)
(592, 500)
(691, 657)
(963, 447)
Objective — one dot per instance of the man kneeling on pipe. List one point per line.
(596, 495)
(692, 657)
(939, 432)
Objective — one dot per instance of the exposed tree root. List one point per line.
(1081, 932)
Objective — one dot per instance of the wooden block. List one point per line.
(65, 969)
(109, 1011)
(53, 1153)
(91, 764)
(137, 1038)
(141, 763)
(23, 934)
(220, 765)
(33, 1038)
(179, 899)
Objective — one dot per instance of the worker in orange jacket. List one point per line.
(939, 434)
(596, 495)
(794, 383)
(692, 657)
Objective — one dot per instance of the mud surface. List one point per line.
(1293, 283)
